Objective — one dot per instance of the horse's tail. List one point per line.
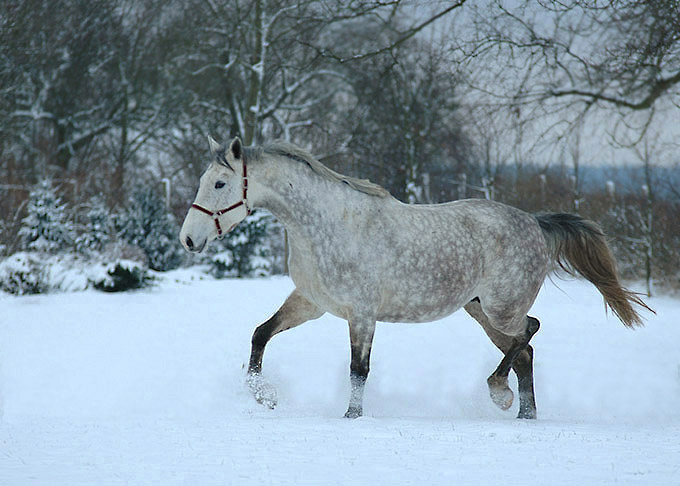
(579, 246)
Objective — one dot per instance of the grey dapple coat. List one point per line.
(361, 255)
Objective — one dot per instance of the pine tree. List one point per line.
(46, 228)
(97, 230)
(147, 224)
(245, 250)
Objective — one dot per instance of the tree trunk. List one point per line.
(255, 85)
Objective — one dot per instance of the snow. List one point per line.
(148, 387)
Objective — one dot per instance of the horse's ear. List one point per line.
(214, 146)
(218, 151)
(235, 148)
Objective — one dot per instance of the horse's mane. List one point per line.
(293, 152)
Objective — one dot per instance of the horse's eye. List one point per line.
(219, 185)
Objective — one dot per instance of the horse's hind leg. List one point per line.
(498, 381)
(524, 368)
(518, 355)
(295, 310)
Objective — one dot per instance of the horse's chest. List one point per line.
(307, 272)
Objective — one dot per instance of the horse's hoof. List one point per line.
(354, 412)
(264, 393)
(500, 392)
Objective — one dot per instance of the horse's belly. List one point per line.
(417, 315)
(420, 307)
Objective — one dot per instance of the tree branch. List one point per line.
(659, 88)
(404, 36)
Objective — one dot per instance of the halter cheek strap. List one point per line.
(243, 202)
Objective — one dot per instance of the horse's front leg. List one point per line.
(361, 331)
(295, 310)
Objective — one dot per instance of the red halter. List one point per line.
(243, 202)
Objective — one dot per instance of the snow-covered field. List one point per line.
(148, 388)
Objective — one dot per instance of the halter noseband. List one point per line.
(243, 202)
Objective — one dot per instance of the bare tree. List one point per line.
(494, 149)
(559, 60)
(401, 121)
(79, 85)
(250, 70)
(648, 189)
(52, 54)
(388, 32)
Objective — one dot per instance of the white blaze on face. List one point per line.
(220, 187)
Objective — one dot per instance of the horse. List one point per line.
(360, 254)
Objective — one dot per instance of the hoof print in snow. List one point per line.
(264, 393)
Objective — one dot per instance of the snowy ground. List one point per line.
(148, 388)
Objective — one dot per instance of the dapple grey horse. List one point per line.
(360, 254)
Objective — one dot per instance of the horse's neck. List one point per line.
(301, 200)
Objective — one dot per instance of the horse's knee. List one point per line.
(361, 343)
(261, 337)
(264, 332)
(360, 368)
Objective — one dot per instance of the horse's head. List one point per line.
(222, 199)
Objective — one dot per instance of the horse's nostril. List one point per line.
(190, 243)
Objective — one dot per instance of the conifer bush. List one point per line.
(245, 251)
(46, 227)
(146, 223)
